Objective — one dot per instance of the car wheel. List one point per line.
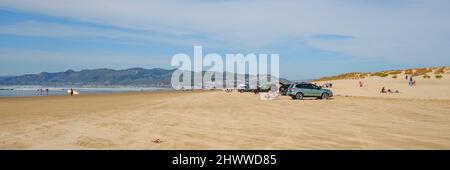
(325, 96)
(299, 96)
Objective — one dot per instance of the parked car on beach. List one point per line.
(299, 90)
(263, 88)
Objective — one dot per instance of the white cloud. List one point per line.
(59, 30)
(414, 30)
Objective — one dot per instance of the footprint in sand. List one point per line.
(93, 142)
(13, 145)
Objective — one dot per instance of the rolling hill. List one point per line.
(134, 76)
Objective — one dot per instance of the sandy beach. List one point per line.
(219, 120)
(182, 75)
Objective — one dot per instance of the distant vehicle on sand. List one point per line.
(244, 88)
(299, 90)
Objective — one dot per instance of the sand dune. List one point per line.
(430, 88)
(219, 120)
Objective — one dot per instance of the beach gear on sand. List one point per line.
(268, 96)
(74, 92)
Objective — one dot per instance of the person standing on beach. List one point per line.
(71, 92)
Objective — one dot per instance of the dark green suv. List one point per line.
(300, 90)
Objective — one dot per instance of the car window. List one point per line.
(305, 86)
(314, 86)
(299, 86)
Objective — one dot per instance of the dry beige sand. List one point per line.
(219, 120)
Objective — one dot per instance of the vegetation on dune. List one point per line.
(421, 71)
(353, 75)
(380, 74)
(440, 70)
(409, 71)
(424, 72)
(395, 72)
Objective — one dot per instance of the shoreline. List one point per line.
(89, 93)
(118, 94)
(97, 95)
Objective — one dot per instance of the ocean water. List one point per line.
(17, 91)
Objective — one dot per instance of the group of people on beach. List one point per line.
(326, 85)
(360, 84)
(383, 90)
(228, 90)
(411, 82)
(42, 91)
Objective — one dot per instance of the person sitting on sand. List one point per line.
(383, 90)
(396, 91)
(256, 91)
(389, 91)
(360, 84)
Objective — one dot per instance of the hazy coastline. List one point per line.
(30, 90)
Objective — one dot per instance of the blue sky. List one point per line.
(314, 38)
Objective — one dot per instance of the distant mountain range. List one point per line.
(155, 77)
(96, 77)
